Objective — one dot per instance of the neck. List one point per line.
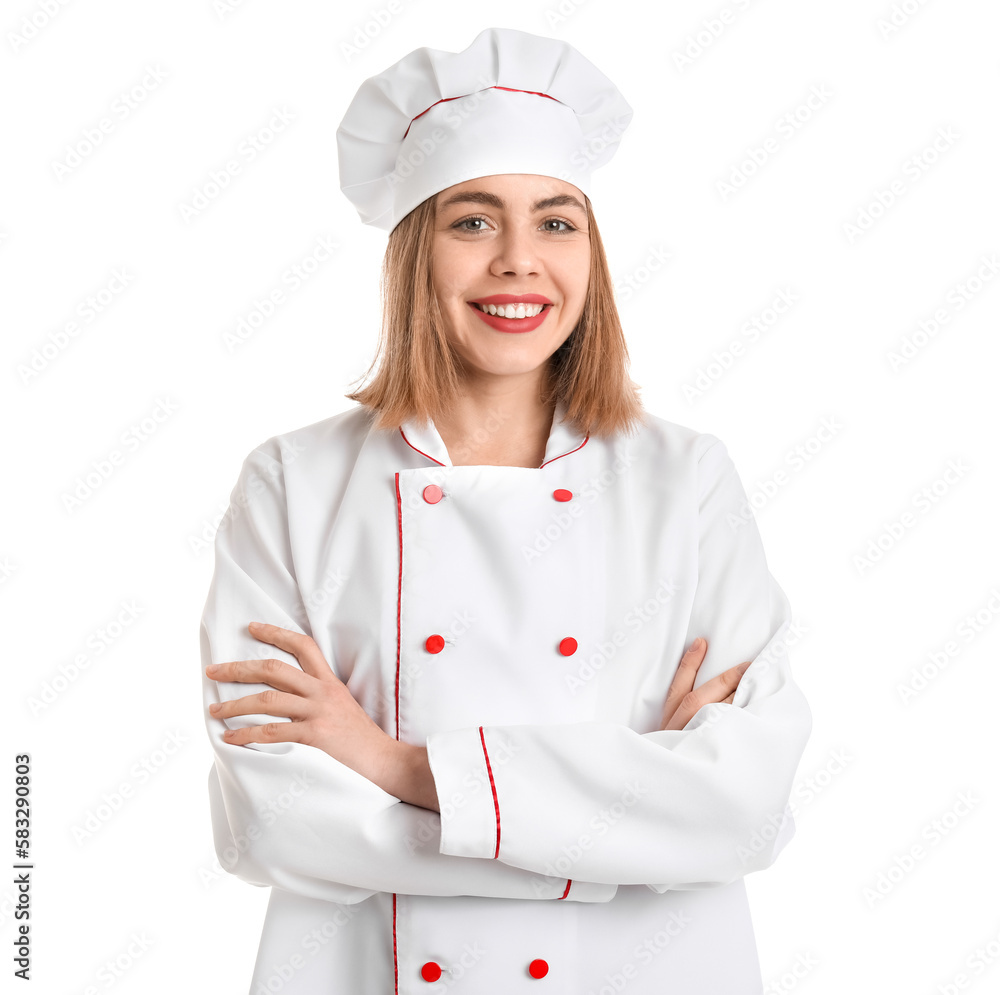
(498, 420)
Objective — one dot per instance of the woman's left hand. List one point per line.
(323, 712)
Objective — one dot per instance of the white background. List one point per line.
(693, 264)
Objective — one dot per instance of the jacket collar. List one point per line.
(425, 439)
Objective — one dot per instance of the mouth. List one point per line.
(520, 315)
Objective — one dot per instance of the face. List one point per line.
(504, 237)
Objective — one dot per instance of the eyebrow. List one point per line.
(492, 200)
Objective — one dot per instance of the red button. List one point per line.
(433, 493)
(538, 968)
(562, 495)
(435, 643)
(430, 971)
(567, 646)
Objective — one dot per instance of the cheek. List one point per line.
(575, 275)
(450, 279)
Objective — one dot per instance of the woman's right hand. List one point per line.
(683, 701)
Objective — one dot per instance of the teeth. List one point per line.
(512, 310)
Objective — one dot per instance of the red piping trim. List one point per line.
(569, 881)
(395, 962)
(439, 463)
(554, 458)
(496, 803)
(414, 448)
(399, 593)
(443, 100)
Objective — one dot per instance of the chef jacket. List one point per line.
(523, 624)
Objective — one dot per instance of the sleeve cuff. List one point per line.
(464, 762)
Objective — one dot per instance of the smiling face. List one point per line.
(500, 239)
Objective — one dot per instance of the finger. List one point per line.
(269, 702)
(687, 669)
(270, 732)
(684, 677)
(718, 689)
(301, 646)
(277, 673)
(722, 684)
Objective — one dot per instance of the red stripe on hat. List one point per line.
(509, 89)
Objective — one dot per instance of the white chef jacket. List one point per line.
(524, 624)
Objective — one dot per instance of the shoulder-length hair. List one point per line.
(420, 373)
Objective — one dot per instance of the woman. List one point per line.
(460, 748)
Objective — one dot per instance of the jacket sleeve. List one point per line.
(692, 808)
(288, 814)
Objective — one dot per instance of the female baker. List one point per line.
(451, 635)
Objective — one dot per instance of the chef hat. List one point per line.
(512, 102)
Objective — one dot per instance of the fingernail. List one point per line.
(211, 668)
(698, 643)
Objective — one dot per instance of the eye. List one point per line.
(464, 221)
(558, 221)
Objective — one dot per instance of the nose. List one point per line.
(516, 251)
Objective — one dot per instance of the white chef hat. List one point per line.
(512, 102)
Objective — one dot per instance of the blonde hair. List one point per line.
(419, 373)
